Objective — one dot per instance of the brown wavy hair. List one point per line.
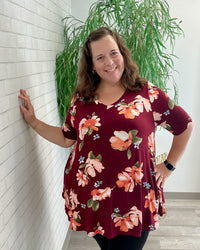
(88, 81)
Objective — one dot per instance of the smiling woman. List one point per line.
(111, 180)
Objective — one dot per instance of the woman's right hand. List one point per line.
(27, 109)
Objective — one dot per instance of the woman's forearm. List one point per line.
(51, 133)
(179, 144)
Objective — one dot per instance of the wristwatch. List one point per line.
(169, 165)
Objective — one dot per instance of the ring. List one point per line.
(161, 176)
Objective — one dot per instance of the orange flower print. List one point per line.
(153, 94)
(99, 230)
(98, 195)
(128, 220)
(130, 178)
(81, 178)
(151, 143)
(75, 218)
(151, 201)
(122, 140)
(86, 126)
(135, 173)
(92, 165)
(124, 224)
(125, 181)
(101, 194)
(129, 110)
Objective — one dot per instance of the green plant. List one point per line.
(145, 26)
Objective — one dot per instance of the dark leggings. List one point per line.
(122, 242)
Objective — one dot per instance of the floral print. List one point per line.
(86, 126)
(151, 202)
(123, 140)
(74, 220)
(98, 230)
(151, 143)
(109, 180)
(129, 220)
(91, 166)
(130, 177)
(98, 195)
(134, 108)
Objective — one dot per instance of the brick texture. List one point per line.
(31, 169)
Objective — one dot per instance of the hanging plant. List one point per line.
(145, 26)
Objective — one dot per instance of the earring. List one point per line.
(93, 71)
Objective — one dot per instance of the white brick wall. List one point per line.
(31, 169)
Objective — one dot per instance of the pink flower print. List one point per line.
(66, 196)
(156, 221)
(73, 200)
(157, 116)
(142, 103)
(125, 181)
(135, 215)
(92, 165)
(81, 178)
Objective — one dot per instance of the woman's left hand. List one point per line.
(161, 174)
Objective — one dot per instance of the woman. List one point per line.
(112, 185)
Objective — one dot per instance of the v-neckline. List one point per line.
(112, 104)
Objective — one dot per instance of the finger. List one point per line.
(159, 181)
(163, 182)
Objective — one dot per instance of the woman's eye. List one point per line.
(114, 53)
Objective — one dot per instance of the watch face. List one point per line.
(169, 165)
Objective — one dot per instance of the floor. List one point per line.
(179, 230)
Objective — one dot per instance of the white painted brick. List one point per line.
(4, 153)
(2, 88)
(5, 24)
(3, 120)
(19, 27)
(7, 39)
(32, 168)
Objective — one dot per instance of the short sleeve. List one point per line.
(166, 113)
(68, 127)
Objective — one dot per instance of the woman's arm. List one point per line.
(177, 149)
(51, 133)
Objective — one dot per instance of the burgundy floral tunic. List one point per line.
(109, 179)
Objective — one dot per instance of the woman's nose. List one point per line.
(108, 60)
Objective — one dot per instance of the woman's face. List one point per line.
(107, 60)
